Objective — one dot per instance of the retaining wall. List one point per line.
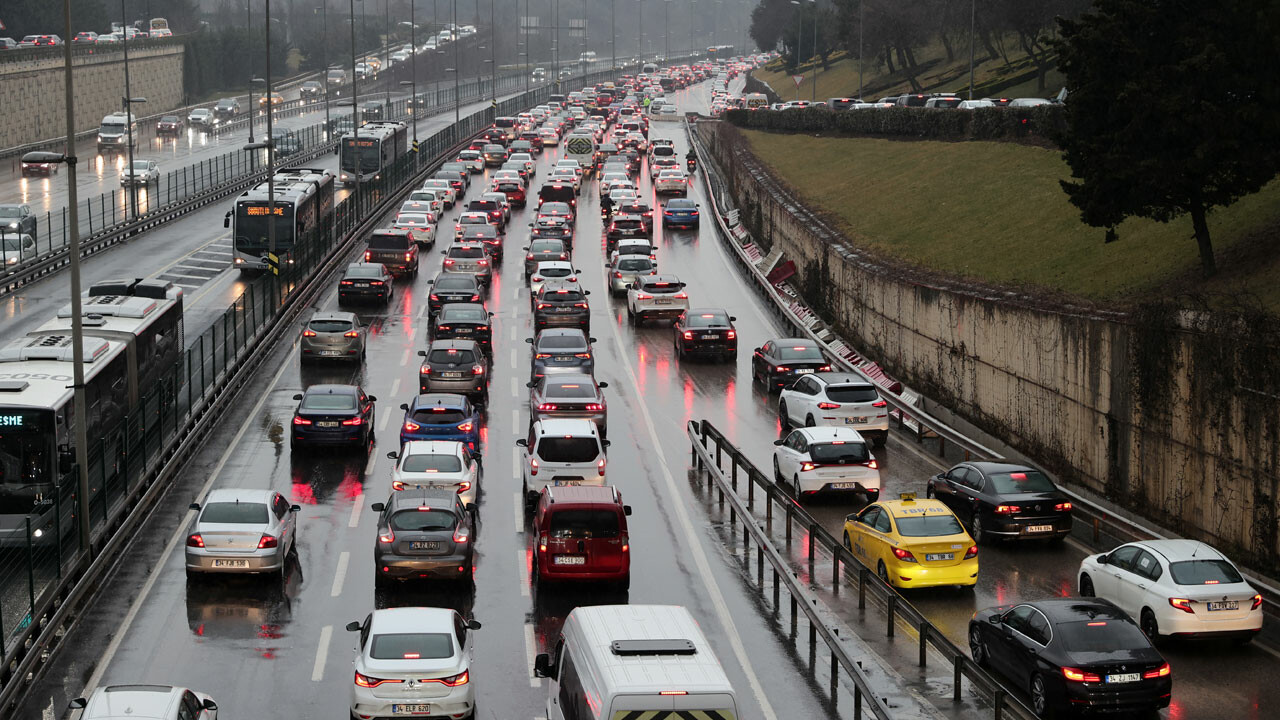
(32, 94)
(1170, 413)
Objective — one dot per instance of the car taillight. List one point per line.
(267, 541)
(807, 466)
(879, 404)
(732, 335)
(580, 305)
(375, 282)
(388, 537)
(600, 465)
(353, 421)
(1257, 601)
(689, 336)
(1062, 506)
(904, 555)
(1162, 671)
(828, 406)
(349, 333)
(434, 297)
(408, 257)
(461, 535)
(300, 420)
(195, 540)
(482, 262)
(308, 333)
(643, 296)
(1075, 675)
(477, 369)
(466, 426)
(825, 368)
(542, 356)
(397, 484)
(1006, 509)
(448, 262)
(617, 274)
(971, 553)
(411, 426)
(347, 282)
(367, 681)
(543, 306)
(533, 466)
(872, 464)
(1183, 604)
(463, 487)
(529, 256)
(547, 407)
(594, 407)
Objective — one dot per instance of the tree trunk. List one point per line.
(912, 69)
(1199, 221)
(985, 37)
(946, 45)
(1004, 54)
(888, 58)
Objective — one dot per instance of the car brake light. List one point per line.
(617, 274)
(1006, 509)
(904, 555)
(807, 466)
(600, 465)
(547, 407)
(434, 297)
(732, 335)
(448, 262)
(533, 466)
(563, 256)
(643, 296)
(782, 368)
(872, 464)
(828, 406)
(971, 553)
(461, 535)
(308, 333)
(354, 421)
(397, 484)
(266, 541)
(347, 282)
(195, 540)
(477, 369)
(466, 426)
(825, 368)
(1257, 601)
(408, 257)
(1075, 675)
(1162, 671)
(879, 404)
(367, 255)
(689, 336)
(349, 333)
(411, 426)
(1183, 604)
(529, 256)
(375, 282)
(1062, 506)
(594, 407)
(482, 262)
(300, 420)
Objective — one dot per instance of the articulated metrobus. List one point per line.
(371, 149)
(303, 200)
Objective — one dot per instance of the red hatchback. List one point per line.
(581, 535)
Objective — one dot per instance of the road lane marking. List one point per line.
(373, 460)
(521, 560)
(515, 418)
(694, 543)
(512, 331)
(519, 513)
(515, 461)
(531, 650)
(322, 652)
(340, 575)
(382, 421)
(515, 387)
(178, 534)
(356, 507)
(395, 388)
(404, 359)
(514, 359)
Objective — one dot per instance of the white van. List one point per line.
(580, 146)
(634, 661)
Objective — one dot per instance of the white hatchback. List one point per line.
(551, 271)
(423, 225)
(154, 702)
(1175, 587)
(820, 459)
(413, 661)
(671, 182)
(656, 296)
(436, 464)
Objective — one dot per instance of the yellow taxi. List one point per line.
(913, 543)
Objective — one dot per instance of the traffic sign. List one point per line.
(415, 146)
(798, 78)
(578, 145)
(273, 263)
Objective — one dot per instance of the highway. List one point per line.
(282, 646)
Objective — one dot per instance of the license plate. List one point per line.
(563, 483)
(410, 709)
(711, 336)
(1224, 605)
(563, 358)
(569, 560)
(1038, 528)
(328, 353)
(360, 284)
(424, 545)
(1124, 677)
(662, 302)
(803, 371)
(843, 486)
(855, 421)
(327, 424)
(231, 563)
(450, 374)
(938, 557)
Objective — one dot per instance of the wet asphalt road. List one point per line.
(280, 649)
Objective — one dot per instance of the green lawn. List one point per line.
(995, 212)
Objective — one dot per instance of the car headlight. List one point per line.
(11, 261)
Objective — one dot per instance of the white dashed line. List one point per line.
(373, 461)
(404, 359)
(382, 421)
(515, 387)
(395, 388)
(514, 358)
(531, 649)
(355, 511)
(322, 651)
(340, 575)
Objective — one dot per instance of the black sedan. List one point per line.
(464, 321)
(365, 281)
(779, 362)
(333, 415)
(1000, 500)
(707, 332)
(1072, 654)
(452, 288)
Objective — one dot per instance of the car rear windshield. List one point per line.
(681, 205)
(438, 416)
(484, 205)
(844, 453)
(1100, 636)
(571, 391)
(235, 513)
(928, 526)
(634, 264)
(706, 320)
(330, 325)
(555, 272)
(560, 342)
(370, 271)
(412, 219)
(584, 524)
(452, 356)
(546, 246)
(454, 283)
(1025, 481)
(329, 401)
(568, 449)
(388, 242)
(411, 646)
(799, 352)
(852, 393)
(423, 520)
(466, 253)
(663, 151)
(562, 295)
(465, 315)
(432, 463)
(628, 223)
(663, 288)
(1204, 572)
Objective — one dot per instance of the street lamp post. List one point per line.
(640, 29)
(973, 12)
(271, 147)
(127, 101)
(666, 31)
(324, 59)
(814, 88)
(528, 55)
(799, 35)
(493, 56)
(355, 110)
(861, 7)
(386, 57)
(613, 38)
(457, 65)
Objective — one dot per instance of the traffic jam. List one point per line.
(473, 355)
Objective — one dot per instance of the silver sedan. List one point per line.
(239, 530)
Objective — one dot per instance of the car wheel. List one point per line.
(977, 648)
(777, 473)
(979, 532)
(928, 491)
(808, 421)
(1086, 586)
(783, 418)
(1039, 699)
(881, 439)
(847, 545)
(623, 585)
(872, 496)
(882, 572)
(1150, 626)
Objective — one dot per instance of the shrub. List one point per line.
(1046, 121)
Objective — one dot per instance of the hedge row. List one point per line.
(1046, 121)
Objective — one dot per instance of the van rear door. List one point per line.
(712, 706)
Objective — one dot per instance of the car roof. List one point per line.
(792, 341)
(1078, 608)
(132, 701)
(566, 426)
(919, 506)
(451, 345)
(330, 390)
(463, 306)
(561, 332)
(364, 265)
(441, 497)
(407, 619)
(555, 264)
(460, 277)
(231, 495)
(1175, 549)
(582, 495)
(656, 279)
(990, 467)
(842, 378)
(431, 447)
(707, 311)
(450, 400)
(830, 434)
(569, 379)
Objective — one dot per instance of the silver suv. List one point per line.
(333, 336)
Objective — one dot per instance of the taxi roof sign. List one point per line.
(907, 496)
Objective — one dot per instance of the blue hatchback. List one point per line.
(441, 416)
(680, 212)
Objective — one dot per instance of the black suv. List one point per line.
(424, 533)
(452, 288)
(561, 307)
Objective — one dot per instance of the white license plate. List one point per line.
(231, 563)
(662, 302)
(559, 483)
(329, 353)
(362, 284)
(1124, 677)
(425, 545)
(843, 486)
(803, 371)
(569, 560)
(563, 358)
(1224, 605)
(327, 424)
(855, 421)
(450, 374)
(1038, 528)
(711, 336)
(410, 709)
(938, 557)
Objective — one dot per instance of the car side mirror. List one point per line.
(490, 314)
(226, 220)
(194, 506)
(471, 508)
(733, 319)
(605, 443)
(779, 441)
(586, 292)
(422, 353)
(542, 666)
(602, 384)
(393, 455)
(378, 507)
(404, 406)
(630, 286)
(473, 625)
(994, 619)
(626, 510)
(373, 398)
(522, 442)
(298, 396)
(78, 704)
(529, 340)
(444, 252)
(432, 281)
(1102, 559)
(353, 626)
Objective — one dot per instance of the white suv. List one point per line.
(161, 702)
(413, 661)
(835, 399)
(656, 296)
(436, 464)
(561, 451)
(820, 459)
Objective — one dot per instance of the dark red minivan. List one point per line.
(581, 535)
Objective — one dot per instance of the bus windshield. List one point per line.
(26, 458)
(251, 225)
(370, 155)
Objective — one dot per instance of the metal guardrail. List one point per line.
(711, 460)
(1102, 523)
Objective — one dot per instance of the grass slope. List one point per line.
(995, 212)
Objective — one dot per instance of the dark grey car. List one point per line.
(423, 533)
(569, 395)
(542, 250)
(454, 366)
(561, 306)
(333, 336)
(561, 350)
